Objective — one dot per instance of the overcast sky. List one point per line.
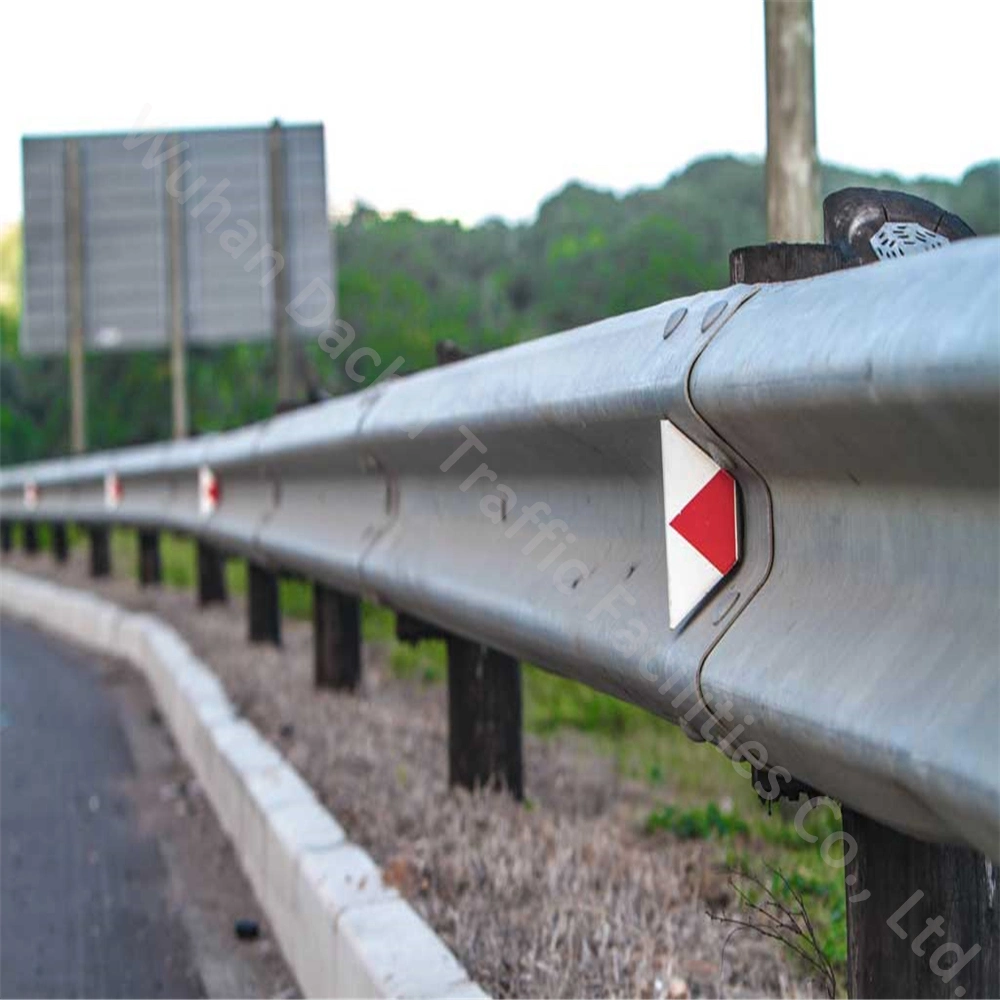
(468, 110)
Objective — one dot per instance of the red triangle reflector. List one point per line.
(708, 522)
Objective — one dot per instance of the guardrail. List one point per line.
(530, 500)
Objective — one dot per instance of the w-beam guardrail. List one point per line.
(518, 499)
(769, 513)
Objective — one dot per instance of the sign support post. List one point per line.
(74, 296)
(178, 318)
(282, 341)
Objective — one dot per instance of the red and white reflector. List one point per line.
(30, 495)
(113, 491)
(700, 506)
(209, 491)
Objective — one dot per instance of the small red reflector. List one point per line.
(209, 491)
(113, 491)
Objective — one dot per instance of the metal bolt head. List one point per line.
(715, 310)
(674, 320)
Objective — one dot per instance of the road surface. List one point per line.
(99, 894)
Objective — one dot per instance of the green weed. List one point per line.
(699, 822)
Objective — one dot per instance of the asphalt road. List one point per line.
(84, 905)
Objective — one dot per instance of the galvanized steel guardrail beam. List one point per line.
(855, 643)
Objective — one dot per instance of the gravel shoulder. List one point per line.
(563, 896)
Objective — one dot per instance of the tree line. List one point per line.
(405, 283)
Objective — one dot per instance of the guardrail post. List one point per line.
(100, 551)
(484, 695)
(484, 710)
(6, 536)
(336, 639)
(211, 576)
(923, 920)
(60, 543)
(484, 717)
(150, 570)
(262, 605)
(29, 537)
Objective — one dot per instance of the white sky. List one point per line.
(465, 110)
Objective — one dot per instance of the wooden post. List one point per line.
(279, 302)
(793, 180)
(336, 639)
(178, 314)
(6, 536)
(150, 569)
(100, 551)
(60, 543)
(484, 693)
(264, 612)
(29, 538)
(773, 262)
(73, 221)
(211, 576)
(484, 710)
(484, 718)
(924, 920)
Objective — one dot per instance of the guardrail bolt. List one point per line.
(211, 576)
(29, 538)
(150, 569)
(336, 639)
(60, 543)
(6, 536)
(674, 320)
(923, 920)
(263, 609)
(100, 552)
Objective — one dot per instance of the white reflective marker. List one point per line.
(209, 491)
(903, 239)
(112, 490)
(701, 521)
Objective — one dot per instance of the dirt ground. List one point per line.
(560, 897)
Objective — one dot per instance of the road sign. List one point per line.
(233, 231)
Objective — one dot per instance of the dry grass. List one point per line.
(561, 897)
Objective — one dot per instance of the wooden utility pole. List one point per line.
(282, 342)
(178, 315)
(73, 209)
(793, 182)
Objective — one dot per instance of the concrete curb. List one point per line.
(343, 932)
